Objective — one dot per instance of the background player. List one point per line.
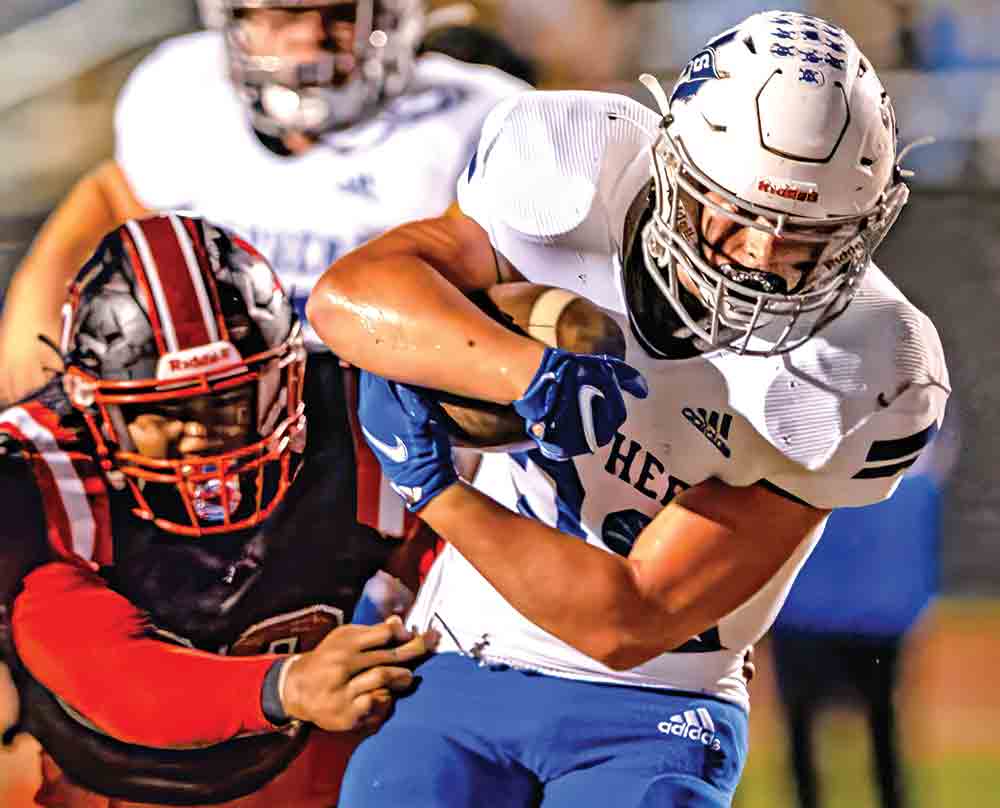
(654, 559)
(307, 127)
(184, 550)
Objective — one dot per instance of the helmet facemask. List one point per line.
(220, 488)
(742, 303)
(368, 55)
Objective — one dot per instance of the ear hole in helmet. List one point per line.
(80, 392)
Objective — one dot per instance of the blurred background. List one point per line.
(63, 62)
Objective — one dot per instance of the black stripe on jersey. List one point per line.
(900, 447)
(781, 492)
(874, 472)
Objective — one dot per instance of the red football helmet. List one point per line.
(186, 360)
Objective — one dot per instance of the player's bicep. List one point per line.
(454, 245)
(504, 270)
(715, 546)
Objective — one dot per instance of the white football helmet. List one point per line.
(783, 118)
(338, 90)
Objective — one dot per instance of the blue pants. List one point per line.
(478, 736)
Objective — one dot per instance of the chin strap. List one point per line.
(46, 340)
(651, 83)
(904, 173)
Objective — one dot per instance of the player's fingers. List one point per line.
(419, 646)
(368, 704)
(400, 633)
(341, 637)
(390, 631)
(630, 380)
(614, 416)
(380, 634)
(382, 701)
(384, 677)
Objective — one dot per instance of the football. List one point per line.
(553, 316)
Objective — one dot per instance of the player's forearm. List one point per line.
(587, 597)
(90, 646)
(400, 318)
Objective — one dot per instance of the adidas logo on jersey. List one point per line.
(713, 425)
(694, 725)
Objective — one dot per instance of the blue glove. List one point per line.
(574, 405)
(410, 442)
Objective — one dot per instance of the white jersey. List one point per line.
(184, 141)
(832, 423)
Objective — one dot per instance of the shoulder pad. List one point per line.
(545, 156)
(855, 405)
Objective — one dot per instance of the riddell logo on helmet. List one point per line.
(788, 189)
(204, 358)
(196, 362)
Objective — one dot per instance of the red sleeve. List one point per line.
(91, 647)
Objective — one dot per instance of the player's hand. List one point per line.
(411, 443)
(574, 405)
(349, 680)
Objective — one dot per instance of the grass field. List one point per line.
(949, 720)
(949, 715)
(967, 779)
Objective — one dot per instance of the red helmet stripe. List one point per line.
(148, 267)
(196, 270)
(128, 241)
(173, 284)
(195, 230)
